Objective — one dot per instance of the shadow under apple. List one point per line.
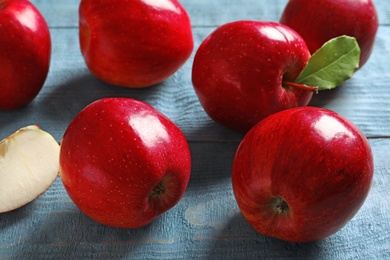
(238, 240)
(211, 164)
(81, 89)
(72, 235)
(15, 217)
(62, 98)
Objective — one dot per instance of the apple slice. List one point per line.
(29, 164)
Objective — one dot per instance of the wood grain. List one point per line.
(206, 224)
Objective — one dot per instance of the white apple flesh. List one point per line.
(29, 164)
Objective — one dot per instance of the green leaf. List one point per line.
(331, 65)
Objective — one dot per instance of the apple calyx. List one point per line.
(280, 206)
(158, 190)
(289, 84)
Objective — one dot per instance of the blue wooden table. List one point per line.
(206, 223)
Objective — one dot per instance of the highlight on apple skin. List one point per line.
(123, 163)
(302, 174)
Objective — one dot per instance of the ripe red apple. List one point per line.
(123, 163)
(135, 43)
(301, 174)
(240, 72)
(25, 53)
(321, 20)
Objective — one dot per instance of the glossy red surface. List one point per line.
(321, 20)
(239, 69)
(316, 161)
(25, 53)
(114, 156)
(135, 43)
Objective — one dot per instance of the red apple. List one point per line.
(123, 163)
(25, 53)
(301, 174)
(240, 72)
(135, 43)
(321, 20)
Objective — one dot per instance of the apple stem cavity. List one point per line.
(288, 84)
(280, 205)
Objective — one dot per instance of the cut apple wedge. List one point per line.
(29, 164)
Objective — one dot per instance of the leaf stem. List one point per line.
(301, 86)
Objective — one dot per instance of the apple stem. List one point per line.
(301, 86)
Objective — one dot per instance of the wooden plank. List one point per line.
(205, 224)
(203, 13)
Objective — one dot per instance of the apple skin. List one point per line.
(321, 20)
(25, 45)
(239, 72)
(301, 174)
(135, 43)
(123, 163)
